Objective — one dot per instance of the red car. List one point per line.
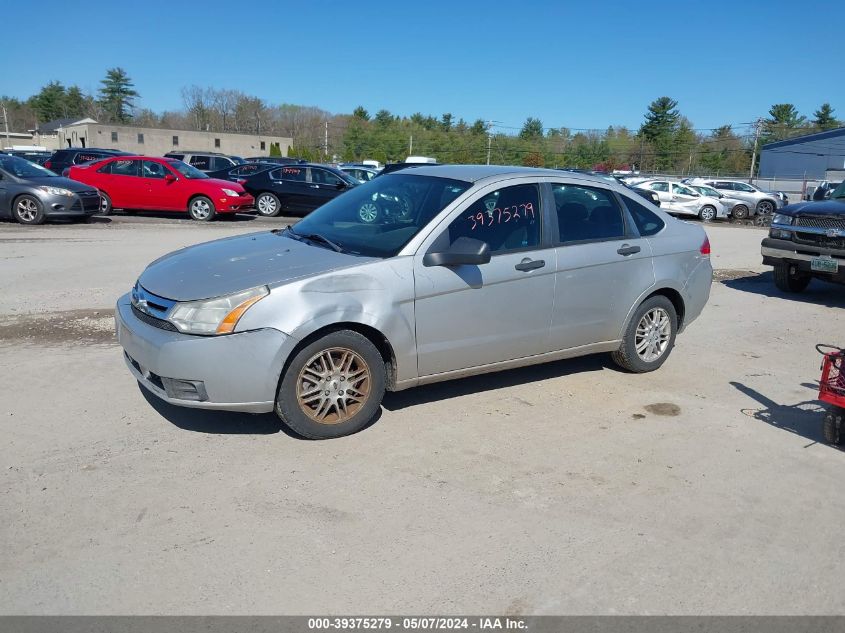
(161, 184)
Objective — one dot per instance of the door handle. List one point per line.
(314, 186)
(530, 264)
(626, 250)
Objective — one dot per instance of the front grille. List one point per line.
(817, 239)
(821, 222)
(161, 324)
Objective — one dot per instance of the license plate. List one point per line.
(824, 264)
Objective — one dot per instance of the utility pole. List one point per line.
(411, 146)
(757, 125)
(489, 139)
(6, 123)
(326, 143)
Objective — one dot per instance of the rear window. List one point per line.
(648, 222)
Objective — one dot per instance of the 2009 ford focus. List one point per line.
(418, 276)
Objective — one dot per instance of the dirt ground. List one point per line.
(566, 488)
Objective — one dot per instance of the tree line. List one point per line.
(665, 141)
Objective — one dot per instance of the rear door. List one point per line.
(602, 265)
(290, 186)
(124, 186)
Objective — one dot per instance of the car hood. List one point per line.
(225, 266)
(826, 207)
(64, 183)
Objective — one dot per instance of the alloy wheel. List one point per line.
(333, 385)
(765, 207)
(653, 333)
(266, 205)
(368, 212)
(27, 210)
(201, 209)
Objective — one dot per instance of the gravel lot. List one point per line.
(567, 488)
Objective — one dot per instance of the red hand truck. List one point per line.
(832, 391)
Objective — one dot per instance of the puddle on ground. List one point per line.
(91, 326)
(663, 408)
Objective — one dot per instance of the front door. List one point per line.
(157, 188)
(123, 184)
(685, 200)
(603, 266)
(468, 316)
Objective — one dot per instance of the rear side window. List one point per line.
(587, 213)
(84, 157)
(124, 168)
(295, 174)
(648, 222)
(201, 162)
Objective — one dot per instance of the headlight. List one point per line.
(215, 316)
(231, 193)
(56, 191)
(781, 218)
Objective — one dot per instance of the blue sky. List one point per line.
(575, 64)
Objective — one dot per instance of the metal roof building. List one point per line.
(811, 156)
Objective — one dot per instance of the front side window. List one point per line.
(508, 219)
(684, 191)
(125, 167)
(187, 171)
(659, 186)
(587, 213)
(378, 218)
(324, 177)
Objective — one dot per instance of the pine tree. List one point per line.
(49, 103)
(117, 95)
(532, 128)
(824, 119)
(661, 126)
(782, 123)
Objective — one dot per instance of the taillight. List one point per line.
(705, 247)
(48, 164)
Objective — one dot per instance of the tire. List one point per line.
(201, 209)
(313, 412)
(368, 212)
(707, 213)
(762, 220)
(106, 207)
(766, 207)
(652, 327)
(28, 209)
(267, 205)
(740, 212)
(787, 281)
(832, 426)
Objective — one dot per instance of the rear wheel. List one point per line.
(332, 387)
(707, 213)
(368, 212)
(789, 279)
(105, 204)
(766, 207)
(28, 210)
(649, 337)
(267, 205)
(740, 212)
(201, 209)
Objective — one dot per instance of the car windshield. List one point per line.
(187, 170)
(238, 160)
(23, 168)
(378, 218)
(839, 192)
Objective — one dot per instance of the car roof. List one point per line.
(197, 152)
(475, 173)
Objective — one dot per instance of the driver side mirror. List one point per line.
(465, 251)
(168, 178)
(340, 185)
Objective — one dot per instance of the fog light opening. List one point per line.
(180, 389)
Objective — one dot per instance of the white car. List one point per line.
(754, 199)
(729, 203)
(680, 199)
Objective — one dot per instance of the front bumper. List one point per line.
(235, 372)
(775, 251)
(244, 202)
(76, 205)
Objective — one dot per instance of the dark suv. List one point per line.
(65, 158)
(206, 161)
(806, 241)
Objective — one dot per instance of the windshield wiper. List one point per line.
(316, 237)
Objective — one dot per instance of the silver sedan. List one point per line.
(462, 270)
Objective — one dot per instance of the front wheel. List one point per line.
(201, 209)
(105, 204)
(649, 337)
(28, 210)
(707, 213)
(267, 205)
(832, 426)
(766, 207)
(740, 212)
(789, 279)
(332, 387)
